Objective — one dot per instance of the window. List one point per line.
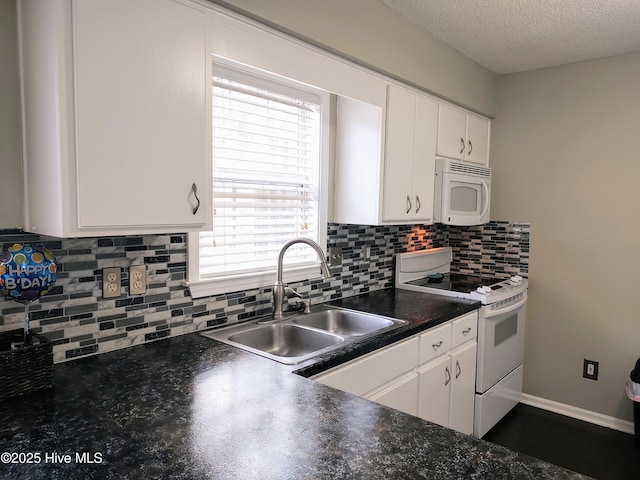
(269, 184)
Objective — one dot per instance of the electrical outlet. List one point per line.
(111, 282)
(335, 254)
(367, 252)
(137, 280)
(590, 369)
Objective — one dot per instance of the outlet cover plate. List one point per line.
(335, 254)
(590, 369)
(137, 280)
(111, 282)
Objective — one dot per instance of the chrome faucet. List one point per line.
(279, 289)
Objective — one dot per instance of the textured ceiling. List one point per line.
(509, 36)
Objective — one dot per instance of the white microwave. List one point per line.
(462, 192)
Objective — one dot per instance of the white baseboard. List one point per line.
(578, 413)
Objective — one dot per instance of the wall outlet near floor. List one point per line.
(137, 280)
(111, 282)
(590, 369)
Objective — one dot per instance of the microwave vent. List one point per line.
(458, 167)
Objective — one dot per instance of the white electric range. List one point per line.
(501, 326)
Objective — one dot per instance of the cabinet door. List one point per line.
(424, 158)
(463, 386)
(452, 124)
(142, 100)
(398, 167)
(401, 395)
(412, 123)
(434, 387)
(477, 140)
(359, 164)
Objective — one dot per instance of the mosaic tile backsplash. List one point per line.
(80, 322)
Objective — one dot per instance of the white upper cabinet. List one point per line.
(359, 168)
(409, 165)
(386, 179)
(117, 116)
(463, 135)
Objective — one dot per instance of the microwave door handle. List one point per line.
(486, 204)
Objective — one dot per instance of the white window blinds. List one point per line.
(266, 157)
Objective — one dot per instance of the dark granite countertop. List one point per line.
(421, 311)
(192, 408)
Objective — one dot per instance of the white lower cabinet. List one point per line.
(370, 372)
(401, 394)
(435, 391)
(463, 388)
(447, 389)
(431, 375)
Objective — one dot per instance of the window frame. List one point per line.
(203, 287)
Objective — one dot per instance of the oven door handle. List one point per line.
(509, 309)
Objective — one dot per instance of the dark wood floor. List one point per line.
(585, 448)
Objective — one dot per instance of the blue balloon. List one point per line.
(26, 272)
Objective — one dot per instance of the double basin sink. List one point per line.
(302, 336)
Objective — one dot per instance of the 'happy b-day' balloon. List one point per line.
(26, 272)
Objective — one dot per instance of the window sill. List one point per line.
(217, 286)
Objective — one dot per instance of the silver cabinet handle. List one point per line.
(447, 376)
(466, 331)
(470, 148)
(408, 204)
(194, 189)
(418, 206)
(436, 346)
(458, 369)
(462, 145)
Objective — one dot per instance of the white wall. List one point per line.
(372, 34)
(11, 195)
(566, 158)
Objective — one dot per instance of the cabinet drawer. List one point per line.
(365, 374)
(435, 342)
(465, 329)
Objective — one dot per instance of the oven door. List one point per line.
(465, 200)
(500, 342)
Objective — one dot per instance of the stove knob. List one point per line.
(516, 279)
(480, 289)
(487, 289)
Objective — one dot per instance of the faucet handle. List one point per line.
(290, 291)
(303, 305)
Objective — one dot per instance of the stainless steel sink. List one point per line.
(344, 322)
(285, 340)
(300, 337)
